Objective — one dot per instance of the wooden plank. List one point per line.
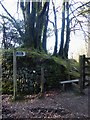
(69, 81)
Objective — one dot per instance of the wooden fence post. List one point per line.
(81, 73)
(42, 80)
(83, 70)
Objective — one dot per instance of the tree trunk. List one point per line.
(34, 21)
(28, 26)
(66, 48)
(62, 31)
(39, 24)
(44, 41)
(55, 29)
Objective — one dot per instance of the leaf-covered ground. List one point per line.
(55, 104)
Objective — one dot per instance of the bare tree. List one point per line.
(66, 47)
(34, 15)
(44, 40)
(62, 30)
(55, 29)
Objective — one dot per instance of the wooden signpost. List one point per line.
(14, 73)
(15, 54)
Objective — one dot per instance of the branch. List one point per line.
(12, 20)
(44, 9)
(79, 7)
(78, 22)
(51, 23)
(7, 11)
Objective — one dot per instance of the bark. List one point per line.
(38, 28)
(62, 31)
(66, 48)
(44, 41)
(40, 24)
(33, 23)
(29, 19)
(55, 30)
(33, 18)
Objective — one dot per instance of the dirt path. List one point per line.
(55, 104)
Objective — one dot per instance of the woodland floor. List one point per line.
(55, 104)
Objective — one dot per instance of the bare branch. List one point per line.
(44, 9)
(51, 22)
(79, 7)
(12, 20)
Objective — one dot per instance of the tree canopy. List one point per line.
(32, 31)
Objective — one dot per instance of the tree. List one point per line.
(34, 14)
(35, 24)
(62, 30)
(44, 40)
(72, 18)
(13, 21)
(66, 47)
(33, 18)
(11, 37)
(55, 29)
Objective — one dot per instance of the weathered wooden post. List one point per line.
(68, 68)
(14, 74)
(15, 54)
(83, 65)
(80, 79)
(1, 84)
(82, 72)
(42, 80)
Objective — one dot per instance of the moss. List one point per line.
(55, 70)
(60, 61)
(73, 68)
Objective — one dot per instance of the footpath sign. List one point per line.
(20, 53)
(15, 54)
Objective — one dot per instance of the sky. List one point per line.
(77, 44)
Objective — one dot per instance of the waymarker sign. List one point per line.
(20, 53)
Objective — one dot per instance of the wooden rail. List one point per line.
(84, 73)
(68, 81)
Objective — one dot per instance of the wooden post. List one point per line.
(81, 74)
(1, 85)
(14, 75)
(42, 80)
(68, 69)
(0, 75)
